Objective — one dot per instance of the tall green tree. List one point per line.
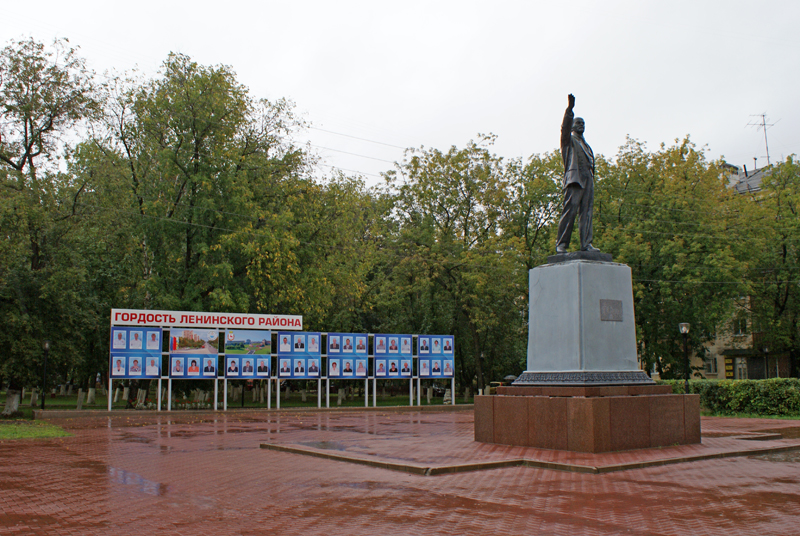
(774, 294)
(47, 93)
(670, 217)
(468, 225)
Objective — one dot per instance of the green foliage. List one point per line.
(188, 193)
(773, 274)
(669, 216)
(775, 396)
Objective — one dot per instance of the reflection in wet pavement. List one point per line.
(205, 474)
(137, 482)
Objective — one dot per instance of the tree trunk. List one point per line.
(12, 404)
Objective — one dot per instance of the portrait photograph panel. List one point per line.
(347, 367)
(118, 365)
(135, 341)
(119, 339)
(209, 367)
(232, 368)
(192, 366)
(152, 366)
(177, 368)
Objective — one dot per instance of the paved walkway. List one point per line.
(191, 473)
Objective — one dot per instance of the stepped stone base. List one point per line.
(588, 419)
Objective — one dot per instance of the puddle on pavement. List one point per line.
(135, 481)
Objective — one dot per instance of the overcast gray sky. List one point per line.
(437, 73)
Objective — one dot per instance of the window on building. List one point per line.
(711, 365)
(740, 326)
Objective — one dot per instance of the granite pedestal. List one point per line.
(582, 389)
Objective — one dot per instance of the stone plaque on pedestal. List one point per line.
(581, 326)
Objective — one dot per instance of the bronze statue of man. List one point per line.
(578, 182)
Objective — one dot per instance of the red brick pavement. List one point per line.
(205, 474)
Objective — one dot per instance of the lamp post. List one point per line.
(684, 329)
(766, 362)
(44, 372)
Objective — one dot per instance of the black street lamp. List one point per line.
(684, 329)
(44, 372)
(766, 362)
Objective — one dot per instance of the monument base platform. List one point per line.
(588, 419)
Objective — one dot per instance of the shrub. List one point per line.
(775, 396)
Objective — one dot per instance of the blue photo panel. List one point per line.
(436, 356)
(347, 344)
(392, 346)
(299, 354)
(135, 352)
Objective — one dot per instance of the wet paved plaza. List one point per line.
(206, 473)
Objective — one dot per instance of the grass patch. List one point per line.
(23, 429)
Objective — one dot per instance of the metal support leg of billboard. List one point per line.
(110, 383)
(269, 393)
(453, 390)
(158, 407)
(419, 391)
(374, 392)
(327, 392)
(225, 394)
(169, 394)
(216, 393)
(278, 395)
(366, 392)
(319, 393)
(411, 393)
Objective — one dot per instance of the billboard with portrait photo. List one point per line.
(128, 346)
(302, 348)
(439, 362)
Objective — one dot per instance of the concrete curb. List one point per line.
(517, 462)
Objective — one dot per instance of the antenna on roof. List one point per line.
(763, 125)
